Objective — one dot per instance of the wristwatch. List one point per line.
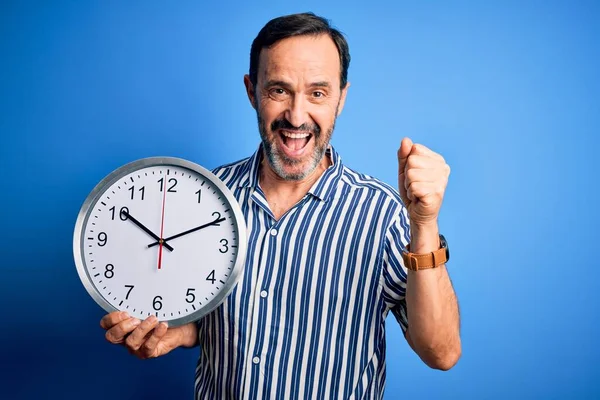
(434, 259)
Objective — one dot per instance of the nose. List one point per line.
(297, 112)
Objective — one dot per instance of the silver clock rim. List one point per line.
(104, 184)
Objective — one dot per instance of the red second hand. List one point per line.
(162, 223)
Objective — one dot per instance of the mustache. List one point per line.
(285, 124)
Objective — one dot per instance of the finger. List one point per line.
(419, 149)
(403, 153)
(136, 339)
(424, 175)
(148, 349)
(110, 320)
(117, 333)
(421, 161)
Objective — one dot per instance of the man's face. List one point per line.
(297, 99)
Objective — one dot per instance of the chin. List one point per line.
(292, 173)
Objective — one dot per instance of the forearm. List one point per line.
(432, 308)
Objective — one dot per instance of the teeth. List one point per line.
(295, 135)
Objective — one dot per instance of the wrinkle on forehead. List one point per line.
(301, 60)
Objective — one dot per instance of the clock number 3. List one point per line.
(225, 247)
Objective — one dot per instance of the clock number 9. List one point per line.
(102, 239)
(156, 304)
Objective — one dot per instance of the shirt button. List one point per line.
(256, 360)
(263, 294)
(273, 232)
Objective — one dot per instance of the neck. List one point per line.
(282, 194)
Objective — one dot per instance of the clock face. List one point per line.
(160, 236)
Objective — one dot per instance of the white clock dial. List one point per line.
(122, 260)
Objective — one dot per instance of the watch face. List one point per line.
(160, 236)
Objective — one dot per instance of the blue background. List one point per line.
(508, 93)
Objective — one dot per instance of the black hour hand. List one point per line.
(215, 222)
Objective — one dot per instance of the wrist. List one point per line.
(424, 238)
(189, 335)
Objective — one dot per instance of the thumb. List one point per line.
(403, 153)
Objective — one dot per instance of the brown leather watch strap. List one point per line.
(417, 262)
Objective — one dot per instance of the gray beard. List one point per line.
(277, 161)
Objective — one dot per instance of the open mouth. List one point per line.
(294, 143)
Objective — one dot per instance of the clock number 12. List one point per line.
(173, 182)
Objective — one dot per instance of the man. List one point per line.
(328, 247)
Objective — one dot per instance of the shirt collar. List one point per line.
(322, 189)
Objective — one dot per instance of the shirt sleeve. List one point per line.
(394, 272)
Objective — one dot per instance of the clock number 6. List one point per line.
(157, 303)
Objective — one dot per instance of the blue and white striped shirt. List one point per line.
(307, 318)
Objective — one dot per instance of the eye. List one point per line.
(318, 94)
(277, 91)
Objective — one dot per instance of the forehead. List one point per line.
(308, 56)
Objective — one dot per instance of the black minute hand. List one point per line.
(148, 231)
(215, 222)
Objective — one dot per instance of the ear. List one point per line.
(343, 98)
(250, 90)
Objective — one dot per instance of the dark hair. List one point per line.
(297, 25)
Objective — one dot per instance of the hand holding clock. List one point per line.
(148, 338)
